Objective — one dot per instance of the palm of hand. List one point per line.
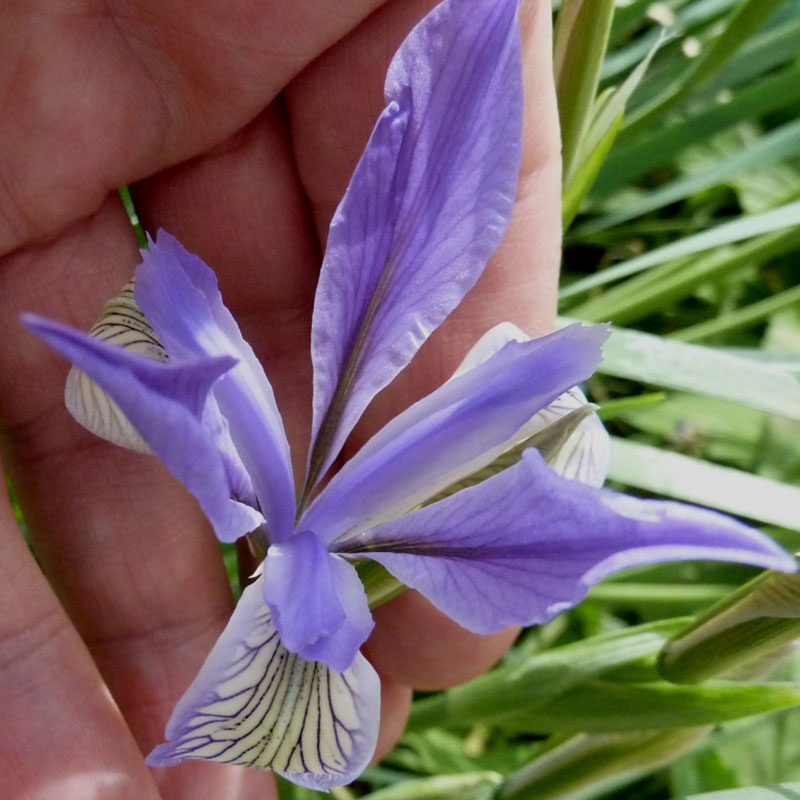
(95, 98)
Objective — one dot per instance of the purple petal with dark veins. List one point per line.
(253, 703)
(317, 601)
(453, 431)
(166, 405)
(427, 205)
(526, 544)
(178, 294)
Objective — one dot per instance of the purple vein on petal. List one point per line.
(526, 544)
(428, 203)
(253, 703)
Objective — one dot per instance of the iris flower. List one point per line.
(286, 687)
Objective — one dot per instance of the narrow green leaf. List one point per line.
(660, 146)
(736, 230)
(612, 409)
(775, 45)
(702, 370)
(697, 481)
(580, 41)
(743, 20)
(591, 761)
(521, 688)
(741, 317)
(583, 177)
(657, 287)
(379, 584)
(613, 103)
(779, 791)
(466, 786)
(780, 143)
(599, 706)
(758, 619)
(669, 598)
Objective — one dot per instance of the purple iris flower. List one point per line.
(285, 687)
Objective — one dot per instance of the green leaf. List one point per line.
(514, 688)
(661, 145)
(741, 317)
(741, 22)
(702, 370)
(780, 143)
(736, 230)
(583, 177)
(755, 621)
(592, 761)
(611, 409)
(379, 584)
(466, 786)
(697, 481)
(779, 791)
(662, 285)
(580, 41)
(599, 706)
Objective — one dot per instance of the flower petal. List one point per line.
(586, 454)
(179, 295)
(166, 403)
(428, 203)
(123, 324)
(526, 544)
(454, 431)
(254, 703)
(317, 601)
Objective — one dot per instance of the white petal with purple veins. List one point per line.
(253, 703)
(123, 324)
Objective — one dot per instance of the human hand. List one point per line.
(129, 555)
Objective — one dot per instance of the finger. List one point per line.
(63, 738)
(519, 284)
(126, 548)
(417, 645)
(395, 706)
(98, 98)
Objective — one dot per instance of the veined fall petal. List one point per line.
(256, 704)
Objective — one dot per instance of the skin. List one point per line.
(237, 128)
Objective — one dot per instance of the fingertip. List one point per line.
(416, 645)
(395, 706)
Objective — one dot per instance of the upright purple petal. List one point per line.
(166, 403)
(254, 703)
(178, 294)
(526, 544)
(454, 431)
(427, 205)
(317, 601)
